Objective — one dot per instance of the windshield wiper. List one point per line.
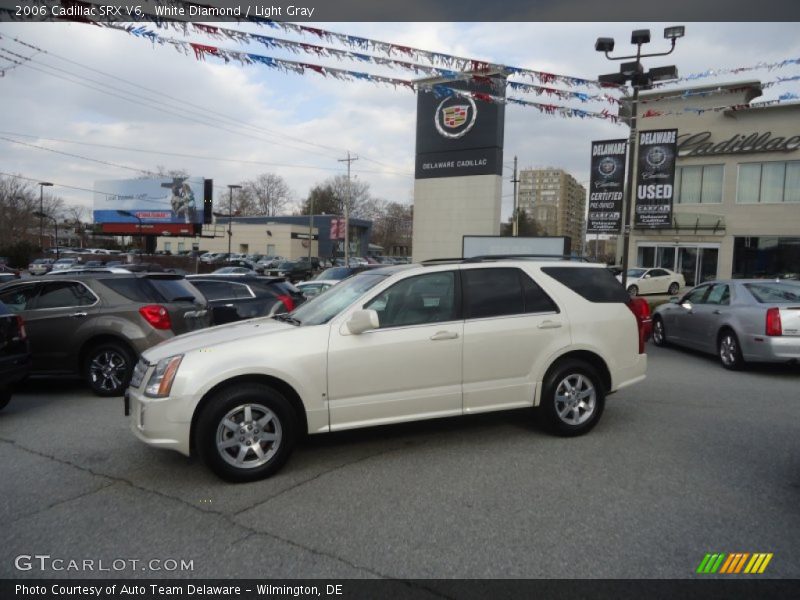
(287, 318)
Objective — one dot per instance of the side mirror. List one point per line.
(362, 320)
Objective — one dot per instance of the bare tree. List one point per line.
(268, 193)
(19, 200)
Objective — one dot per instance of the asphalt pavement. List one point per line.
(694, 460)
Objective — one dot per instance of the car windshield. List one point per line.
(774, 292)
(324, 307)
(636, 272)
(335, 273)
(286, 265)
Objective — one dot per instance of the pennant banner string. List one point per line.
(720, 90)
(769, 66)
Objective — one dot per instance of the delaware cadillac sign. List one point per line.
(606, 186)
(655, 178)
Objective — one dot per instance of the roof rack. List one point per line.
(492, 257)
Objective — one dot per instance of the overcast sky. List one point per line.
(264, 120)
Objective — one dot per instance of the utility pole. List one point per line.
(231, 187)
(348, 160)
(515, 181)
(42, 185)
(310, 225)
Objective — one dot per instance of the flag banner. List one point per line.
(655, 177)
(606, 186)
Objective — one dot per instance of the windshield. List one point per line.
(324, 307)
(635, 272)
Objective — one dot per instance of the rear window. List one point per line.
(176, 290)
(133, 289)
(774, 292)
(593, 284)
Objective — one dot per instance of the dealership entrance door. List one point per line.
(696, 262)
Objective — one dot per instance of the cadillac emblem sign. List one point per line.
(455, 117)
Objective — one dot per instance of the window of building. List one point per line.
(768, 183)
(181, 246)
(167, 246)
(767, 257)
(699, 184)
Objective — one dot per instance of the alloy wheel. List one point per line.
(728, 350)
(108, 370)
(575, 399)
(248, 436)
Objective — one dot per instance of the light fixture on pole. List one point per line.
(127, 213)
(231, 187)
(42, 185)
(41, 216)
(639, 79)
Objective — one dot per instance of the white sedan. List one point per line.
(653, 281)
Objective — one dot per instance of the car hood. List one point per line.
(213, 336)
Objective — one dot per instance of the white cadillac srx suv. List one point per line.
(390, 345)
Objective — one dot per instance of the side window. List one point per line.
(492, 293)
(719, 294)
(19, 297)
(498, 292)
(658, 273)
(423, 299)
(696, 296)
(241, 291)
(63, 294)
(214, 290)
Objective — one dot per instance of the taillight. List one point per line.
(156, 315)
(774, 326)
(23, 335)
(288, 301)
(641, 310)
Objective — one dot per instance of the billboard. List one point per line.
(174, 201)
(606, 186)
(655, 178)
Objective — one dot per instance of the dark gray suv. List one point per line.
(96, 324)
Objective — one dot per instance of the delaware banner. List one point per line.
(606, 186)
(655, 177)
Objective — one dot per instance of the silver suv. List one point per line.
(96, 324)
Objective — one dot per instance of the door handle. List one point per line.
(444, 335)
(78, 314)
(549, 325)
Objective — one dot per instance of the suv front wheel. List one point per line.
(572, 399)
(108, 368)
(246, 433)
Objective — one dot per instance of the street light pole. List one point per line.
(42, 216)
(42, 185)
(348, 160)
(231, 187)
(634, 72)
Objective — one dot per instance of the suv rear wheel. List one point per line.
(246, 433)
(108, 368)
(573, 398)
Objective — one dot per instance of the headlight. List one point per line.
(160, 382)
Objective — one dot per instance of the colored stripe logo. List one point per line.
(735, 563)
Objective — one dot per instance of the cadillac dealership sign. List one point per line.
(606, 186)
(701, 144)
(655, 178)
(457, 136)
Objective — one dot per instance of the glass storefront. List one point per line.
(696, 262)
(767, 257)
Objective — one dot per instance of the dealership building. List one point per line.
(736, 210)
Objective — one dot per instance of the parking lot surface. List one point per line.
(694, 460)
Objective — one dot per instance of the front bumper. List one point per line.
(159, 422)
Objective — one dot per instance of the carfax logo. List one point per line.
(455, 117)
(735, 563)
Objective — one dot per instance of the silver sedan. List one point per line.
(740, 320)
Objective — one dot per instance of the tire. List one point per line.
(729, 351)
(5, 397)
(562, 412)
(108, 368)
(673, 288)
(633, 290)
(263, 417)
(659, 332)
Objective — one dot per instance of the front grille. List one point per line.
(138, 373)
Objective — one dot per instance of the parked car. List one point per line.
(268, 262)
(653, 281)
(234, 271)
(40, 266)
(8, 274)
(314, 260)
(339, 273)
(739, 320)
(315, 287)
(291, 270)
(15, 353)
(64, 263)
(235, 297)
(95, 324)
(390, 345)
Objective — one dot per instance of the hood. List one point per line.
(213, 336)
